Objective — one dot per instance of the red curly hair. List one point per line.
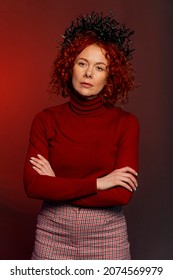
(120, 74)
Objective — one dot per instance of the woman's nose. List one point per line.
(88, 73)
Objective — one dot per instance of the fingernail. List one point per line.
(39, 155)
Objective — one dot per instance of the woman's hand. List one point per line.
(42, 166)
(124, 177)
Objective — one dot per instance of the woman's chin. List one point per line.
(87, 97)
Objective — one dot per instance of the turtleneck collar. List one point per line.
(85, 106)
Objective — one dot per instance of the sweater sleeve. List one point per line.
(47, 187)
(127, 155)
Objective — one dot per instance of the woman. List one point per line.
(82, 157)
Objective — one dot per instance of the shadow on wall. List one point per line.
(17, 233)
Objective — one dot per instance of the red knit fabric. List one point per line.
(82, 140)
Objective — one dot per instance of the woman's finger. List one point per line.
(39, 171)
(130, 178)
(122, 175)
(42, 166)
(129, 182)
(39, 164)
(127, 176)
(128, 169)
(44, 160)
(125, 185)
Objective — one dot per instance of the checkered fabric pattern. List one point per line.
(67, 232)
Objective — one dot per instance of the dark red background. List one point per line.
(29, 31)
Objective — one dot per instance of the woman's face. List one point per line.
(90, 71)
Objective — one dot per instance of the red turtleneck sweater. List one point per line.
(82, 140)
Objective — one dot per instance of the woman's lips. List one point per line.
(86, 85)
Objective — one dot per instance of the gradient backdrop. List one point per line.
(29, 31)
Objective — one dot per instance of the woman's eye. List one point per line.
(82, 64)
(99, 68)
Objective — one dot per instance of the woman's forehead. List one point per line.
(93, 53)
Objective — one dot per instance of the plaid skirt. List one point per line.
(68, 232)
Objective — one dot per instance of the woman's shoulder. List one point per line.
(51, 111)
(125, 119)
(55, 109)
(123, 115)
(49, 117)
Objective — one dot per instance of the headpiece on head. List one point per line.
(105, 28)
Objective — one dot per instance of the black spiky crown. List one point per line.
(105, 28)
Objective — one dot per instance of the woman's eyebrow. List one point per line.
(99, 62)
